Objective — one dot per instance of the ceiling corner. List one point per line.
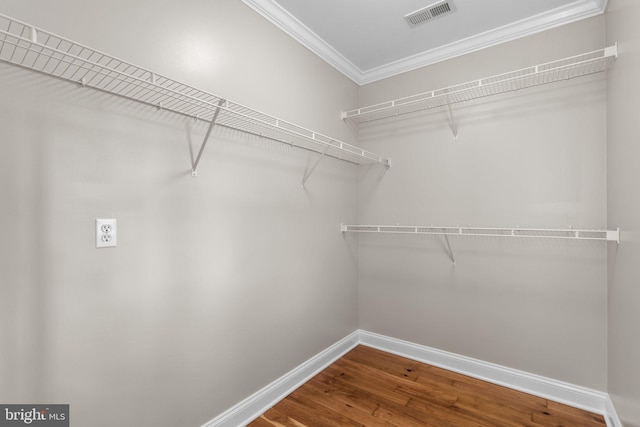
(282, 19)
(602, 4)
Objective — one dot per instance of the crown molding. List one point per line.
(288, 23)
(578, 10)
(573, 12)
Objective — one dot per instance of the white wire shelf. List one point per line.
(534, 233)
(32, 48)
(550, 72)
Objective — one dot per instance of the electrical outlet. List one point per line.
(106, 233)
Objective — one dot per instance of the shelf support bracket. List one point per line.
(313, 168)
(194, 172)
(451, 257)
(452, 122)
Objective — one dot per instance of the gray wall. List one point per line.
(623, 105)
(219, 284)
(534, 158)
(223, 283)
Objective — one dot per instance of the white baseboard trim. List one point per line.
(250, 408)
(562, 392)
(558, 391)
(611, 415)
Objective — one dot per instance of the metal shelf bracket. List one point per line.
(453, 260)
(452, 122)
(313, 168)
(33, 48)
(194, 172)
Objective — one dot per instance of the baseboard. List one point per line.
(558, 391)
(569, 394)
(250, 408)
(611, 415)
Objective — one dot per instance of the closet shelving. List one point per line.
(32, 48)
(550, 72)
(527, 233)
(517, 232)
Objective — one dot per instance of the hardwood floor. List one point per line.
(367, 387)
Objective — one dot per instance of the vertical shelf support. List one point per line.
(194, 172)
(313, 168)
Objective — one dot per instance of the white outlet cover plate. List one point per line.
(106, 233)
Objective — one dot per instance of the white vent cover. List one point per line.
(428, 13)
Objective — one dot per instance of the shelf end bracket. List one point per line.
(194, 167)
(613, 235)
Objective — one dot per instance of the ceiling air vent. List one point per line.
(428, 13)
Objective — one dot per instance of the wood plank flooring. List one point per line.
(368, 387)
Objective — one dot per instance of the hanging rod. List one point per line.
(536, 233)
(550, 72)
(35, 49)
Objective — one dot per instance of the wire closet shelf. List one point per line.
(35, 49)
(550, 72)
(541, 233)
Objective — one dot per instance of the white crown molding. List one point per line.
(573, 12)
(558, 391)
(282, 19)
(579, 9)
